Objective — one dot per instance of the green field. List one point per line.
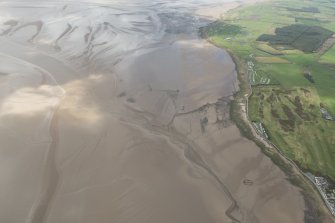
(293, 120)
(329, 57)
(291, 80)
(298, 36)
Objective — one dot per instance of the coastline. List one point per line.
(315, 200)
(238, 109)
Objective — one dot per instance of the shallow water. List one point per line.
(115, 111)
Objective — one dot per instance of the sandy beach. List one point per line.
(116, 111)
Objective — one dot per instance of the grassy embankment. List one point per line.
(283, 99)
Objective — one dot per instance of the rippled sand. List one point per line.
(115, 111)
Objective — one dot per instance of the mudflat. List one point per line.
(118, 112)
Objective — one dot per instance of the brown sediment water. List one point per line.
(115, 111)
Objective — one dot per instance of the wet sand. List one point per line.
(118, 112)
(217, 11)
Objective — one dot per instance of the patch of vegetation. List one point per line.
(295, 125)
(222, 29)
(269, 50)
(304, 9)
(314, 212)
(329, 56)
(308, 21)
(309, 77)
(302, 37)
(271, 60)
(291, 112)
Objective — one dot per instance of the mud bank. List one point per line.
(117, 112)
